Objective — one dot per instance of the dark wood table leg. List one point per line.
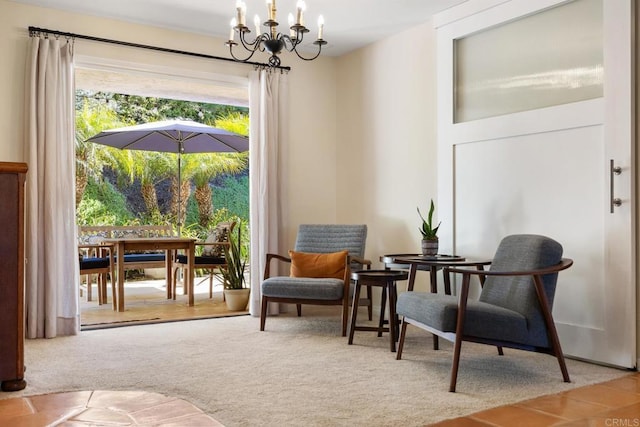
(433, 274)
(120, 296)
(383, 304)
(413, 268)
(447, 281)
(433, 271)
(393, 318)
(354, 310)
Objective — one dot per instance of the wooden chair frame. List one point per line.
(457, 337)
(344, 301)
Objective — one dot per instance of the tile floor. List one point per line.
(613, 403)
(104, 408)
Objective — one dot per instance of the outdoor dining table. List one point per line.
(169, 245)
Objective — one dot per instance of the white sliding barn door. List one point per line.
(535, 101)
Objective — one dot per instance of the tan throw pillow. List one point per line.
(304, 264)
(218, 235)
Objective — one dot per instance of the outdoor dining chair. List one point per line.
(98, 259)
(211, 255)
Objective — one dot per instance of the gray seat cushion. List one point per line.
(482, 320)
(303, 288)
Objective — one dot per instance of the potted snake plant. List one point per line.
(429, 232)
(236, 293)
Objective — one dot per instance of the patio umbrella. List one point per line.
(173, 136)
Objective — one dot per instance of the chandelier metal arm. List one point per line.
(316, 55)
(254, 45)
(289, 43)
(231, 44)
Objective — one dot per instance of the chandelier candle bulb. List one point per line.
(256, 23)
(292, 32)
(271, 8)
(232, 32)
(301, 7)
(241, 8)
(320, 27)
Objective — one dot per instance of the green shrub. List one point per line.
(233, 195)
(103, 205)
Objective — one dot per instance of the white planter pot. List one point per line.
(236, 299)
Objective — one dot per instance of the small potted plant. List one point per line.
(236, 293)
(429, 233)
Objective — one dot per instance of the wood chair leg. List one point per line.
(299, 309)
(462, 308)
(456, 362)
(563, 368)
(345, 315)
(89, 287)
(210, 284)
(263, 313)
(98, 277)
(403, 332)
(552, 333)
(102, 290)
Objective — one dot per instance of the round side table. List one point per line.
(386, 279)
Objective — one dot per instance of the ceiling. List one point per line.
(349, 24)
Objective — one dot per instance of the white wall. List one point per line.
(387, 139)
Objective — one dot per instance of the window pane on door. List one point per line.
(550, 58)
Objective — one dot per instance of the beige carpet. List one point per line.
(299, 372)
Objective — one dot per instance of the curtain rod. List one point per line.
(33, 30)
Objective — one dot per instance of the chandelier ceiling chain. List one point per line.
(271, 40)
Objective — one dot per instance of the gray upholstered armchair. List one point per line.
(514, 308)
(321, 262)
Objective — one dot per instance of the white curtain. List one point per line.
(268, 109)
(52, 276)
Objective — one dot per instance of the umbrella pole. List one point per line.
(179, 189)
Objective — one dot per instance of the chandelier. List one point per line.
(271, 40)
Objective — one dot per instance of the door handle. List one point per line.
(613, 170)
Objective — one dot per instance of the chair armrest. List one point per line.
(212, 244)
(363, 261)
(464, 288)
(358, 260)
(99, 248)
(562, 265)
(205, 244)
(267, 267)
(94, 245)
